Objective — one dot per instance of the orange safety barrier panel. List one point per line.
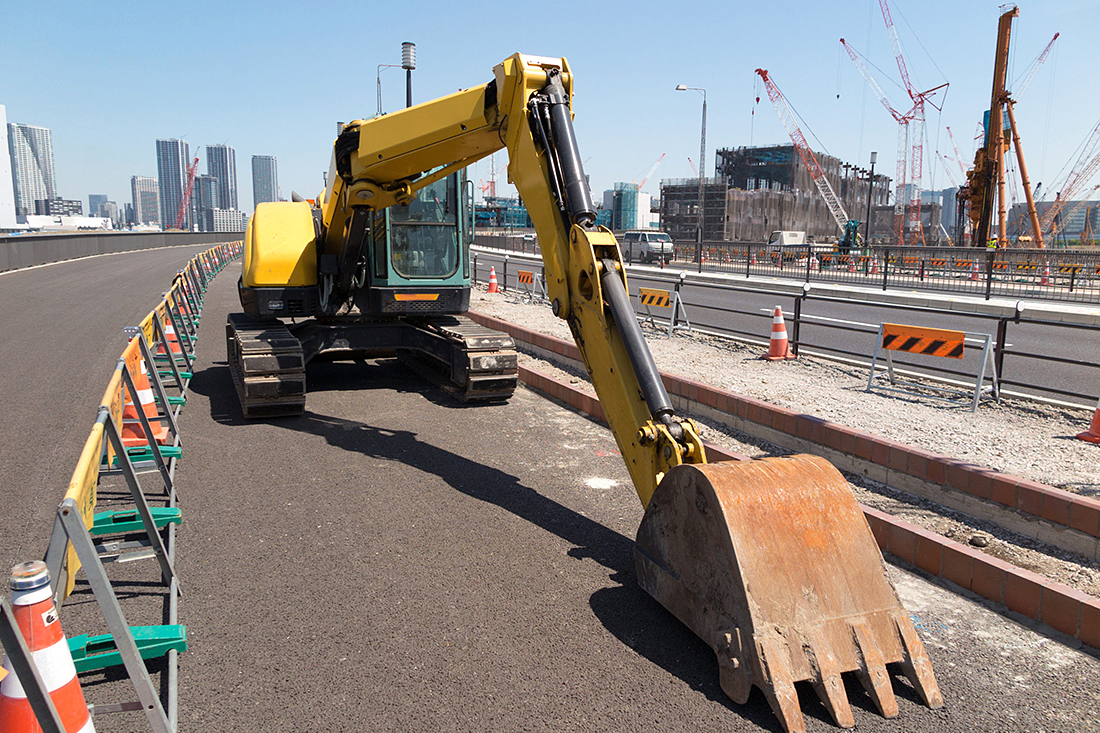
(920, 340)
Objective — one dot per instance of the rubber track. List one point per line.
(267, 365)
(481, 365)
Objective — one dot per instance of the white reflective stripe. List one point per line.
(779, 335)
(169, 331)
(55, 664)
(30, 597)
(145, 396)
(89, 727)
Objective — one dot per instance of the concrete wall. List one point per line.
(28, 250)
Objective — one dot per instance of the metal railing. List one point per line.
(803, 328)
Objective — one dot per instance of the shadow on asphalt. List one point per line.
(625, 610)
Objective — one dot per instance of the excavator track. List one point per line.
(267, 366)
(471, 362)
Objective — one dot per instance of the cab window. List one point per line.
(424, 234)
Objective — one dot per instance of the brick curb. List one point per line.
(1065, 609)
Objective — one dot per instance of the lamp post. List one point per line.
(870, 190)
(408, 63)
(702, 170)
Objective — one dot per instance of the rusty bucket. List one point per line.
(772, 564)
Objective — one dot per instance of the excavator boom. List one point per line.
(770, 562)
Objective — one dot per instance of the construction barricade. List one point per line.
(135, 441)
(937, 342)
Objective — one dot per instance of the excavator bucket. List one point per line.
(772, 564)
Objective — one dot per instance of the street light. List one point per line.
(870, 189)
(408, 63)
(702, 165)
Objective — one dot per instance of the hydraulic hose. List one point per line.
(578, 197)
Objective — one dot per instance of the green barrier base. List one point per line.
(145, 455)
(97, 652)
(166, 373)
(128, 520)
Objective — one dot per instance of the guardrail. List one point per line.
(1047, 274)
(28, 250)
(135, 436)
(799, 322)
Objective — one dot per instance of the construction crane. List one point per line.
(1068, 212)
(188, 188)
(1086, 233)
(1088, 162)
(1029, 75)
(649, 172)
(489, 188)
(847, 226)
(910, 157)
(693, 168)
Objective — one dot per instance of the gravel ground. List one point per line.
(1027, 439)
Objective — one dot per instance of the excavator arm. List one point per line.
(769, 562)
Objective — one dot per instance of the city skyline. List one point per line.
(265, 179)
(173, 158)
(32, 165)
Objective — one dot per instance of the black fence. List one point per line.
(1015, 358)
(1061, 275)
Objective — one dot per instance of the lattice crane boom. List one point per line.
(188, 189)
(804, 152)
(1083, 170)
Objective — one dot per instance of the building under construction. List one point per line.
(762, 189)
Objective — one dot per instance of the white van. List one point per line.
(784, 239)
(651, 246)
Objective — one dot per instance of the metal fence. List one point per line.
(1061, 275)
(813, 333)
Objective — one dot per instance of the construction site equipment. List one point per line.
(933, 342)
(809, 598)
(910, 155)
(779, 346)
(1086, 166)
(849, 227)
(188, 190)
(40, 626)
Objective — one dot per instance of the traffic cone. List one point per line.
(38, 621)
(753, 262)
(779, 348)
(1092, 435)
(974, 271)
(874, 265)
(814, 264)
(851, 263)
(1045, 279)
(493, 280)
(133, 434)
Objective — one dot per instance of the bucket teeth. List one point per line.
(772, 563)
(827, 682)
(916, 664)
(872, 673)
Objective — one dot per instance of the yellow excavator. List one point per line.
(770, 562)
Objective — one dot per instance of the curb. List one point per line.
(1064, 609)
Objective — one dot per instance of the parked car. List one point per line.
(648, 246)
(786, 244)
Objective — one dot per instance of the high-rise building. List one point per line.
(205, 196)
(221, 162)
(146, 196)
(173, 157)
(265, 179)
(7, 191)
(31, 149)
(95, 200)
(58, 207)
(224, 220)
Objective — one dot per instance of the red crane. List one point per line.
(807, 155)
(189, 187)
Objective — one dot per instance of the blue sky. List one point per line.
(273, 78)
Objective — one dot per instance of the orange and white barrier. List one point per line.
(493, 285)
(1045, 279)
(1092, 435)
(779, 347)
(974, 271)
(38, 621)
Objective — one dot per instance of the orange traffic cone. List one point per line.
(974, 271)
(874, 265)
(36, 615)
(779, 348)
(851, 264)
(1045, 279)
(493, 280)
(133, 434)
(1092, 435)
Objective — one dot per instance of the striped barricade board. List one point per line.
(938, 342)
(657, 298)
(532, 287)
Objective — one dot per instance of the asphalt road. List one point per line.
(830, 324)
(393, 560)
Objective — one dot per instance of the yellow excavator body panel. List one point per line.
(280, 246)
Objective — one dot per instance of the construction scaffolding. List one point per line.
(680, 208)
